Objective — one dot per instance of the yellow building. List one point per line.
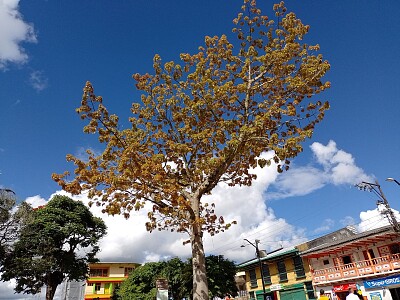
(285, 275)
(104, 277)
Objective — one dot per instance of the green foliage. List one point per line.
(58, 242)
(141, 282)
(221, 275)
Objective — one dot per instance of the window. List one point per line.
(266, 275)
(282, 270)
(298, 266)
(90, 284)
(253, 278)
(98, 272)
(326, 262)
(310, 290)
(346, 259)
(97, 287)
(128, 271)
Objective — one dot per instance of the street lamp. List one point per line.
(376, 189)
(259, 264)
(392, 179)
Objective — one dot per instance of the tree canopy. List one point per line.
(203, 122)
(221, 276)
(57, 243)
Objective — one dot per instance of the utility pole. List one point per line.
(259, 264)
(387, 212)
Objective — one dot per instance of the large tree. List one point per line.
(203, 122)
(58, 243)
(141, 283)
(221, 276)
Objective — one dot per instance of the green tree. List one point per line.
(203, 122)
(141, 282)
(57, 243)
(221, 276)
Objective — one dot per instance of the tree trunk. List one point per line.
(50, 291)
(51, 285)
(200, 285)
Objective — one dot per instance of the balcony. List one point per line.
(388, 263)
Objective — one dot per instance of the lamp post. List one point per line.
(392, 179)
(259, 264)
(376, 189)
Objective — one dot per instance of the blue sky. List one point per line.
(48, 49)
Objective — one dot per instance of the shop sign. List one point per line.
(380, 282)
(343, 287)
(275, 287)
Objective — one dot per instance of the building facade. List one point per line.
(368, 262)
(104, 277)
(285, 276)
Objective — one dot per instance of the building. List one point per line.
(104, 277)
(284, 273)
(368, 261)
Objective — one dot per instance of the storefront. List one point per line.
(293, 292)
(283, 292)
(342, 290)
(386, 288)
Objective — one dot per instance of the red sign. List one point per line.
(344, 287)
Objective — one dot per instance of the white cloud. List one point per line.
(7, 292)
(346, 221)
(38, 80)
(339, 165)
(334, 166)
(299, 181)
(372, 219)
(36, 201)
(324, 154)
(13, 31)
(81, 153)
(326, 226)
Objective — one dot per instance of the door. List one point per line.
(395, 293)
(296, 294)
(107, 289)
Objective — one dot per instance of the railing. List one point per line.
(359, 268)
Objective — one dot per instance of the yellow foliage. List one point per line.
(204, 121)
